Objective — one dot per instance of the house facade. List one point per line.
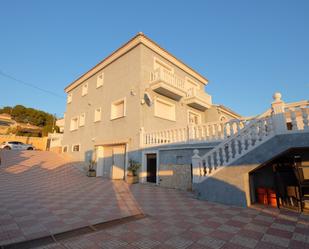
(143, 104)
(114, 109)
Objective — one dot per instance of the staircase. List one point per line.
(282, 119)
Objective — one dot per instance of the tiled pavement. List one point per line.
(176, 220)
(41, 193)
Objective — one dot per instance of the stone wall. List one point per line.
(176, 176)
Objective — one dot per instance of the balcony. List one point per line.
(198, 99)
(167, 83)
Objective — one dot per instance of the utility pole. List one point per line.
(54, 122)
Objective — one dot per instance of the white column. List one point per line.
(278, 116)
(196, 166)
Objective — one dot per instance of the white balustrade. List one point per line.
(194, 92)
(212, 131)
(240, 138)
(305, 115)
(294, 121)
(168, 77)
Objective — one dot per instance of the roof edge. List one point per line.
(140, 38)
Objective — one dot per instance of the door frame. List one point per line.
(99, 150)
(144, 163)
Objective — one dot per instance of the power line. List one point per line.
(29, 84)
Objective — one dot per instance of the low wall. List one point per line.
(39, 143)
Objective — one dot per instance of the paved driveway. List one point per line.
(175, 220)
(41, 193)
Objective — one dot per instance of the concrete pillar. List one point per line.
(196, 166)
(278, 114)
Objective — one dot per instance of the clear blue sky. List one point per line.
(247, 49)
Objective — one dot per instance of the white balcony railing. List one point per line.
(208, 132)
(283, 119)
(199, 95)
(163, 75)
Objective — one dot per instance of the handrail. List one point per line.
(254, 133)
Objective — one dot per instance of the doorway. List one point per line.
(283, 181)
(151, 168)
(111, 161)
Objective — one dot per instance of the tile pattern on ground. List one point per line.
(175, 220)
(42, 193)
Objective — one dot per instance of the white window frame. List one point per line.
(79, 146)
(95, 119)
(69, 98)
(156, 114)
(85, 86)
(114, 103)
(195, 113)
(157, 63)
(100, 82)
(77, 122)
(80, 118)
(65, 146)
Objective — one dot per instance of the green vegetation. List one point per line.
(31, 116)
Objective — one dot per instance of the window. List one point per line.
(82, 119)
(118, 109)
(100, 80)
(74, 124)
(69, 98)
(97, 114)
(164, 109)
(75, 147)
(85, 89)
(194, 118)
(65, 149)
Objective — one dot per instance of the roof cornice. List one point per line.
(140, 38)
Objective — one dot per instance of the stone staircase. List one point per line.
(281, 119)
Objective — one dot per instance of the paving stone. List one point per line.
(211, 242)
(145, 243)
(276, 240)
(283, 227)
(179, 242)
(244, 241)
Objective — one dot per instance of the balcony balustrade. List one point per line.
(198, 99)
(167, 83)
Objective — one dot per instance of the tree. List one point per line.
(32, 116)
(6, 109)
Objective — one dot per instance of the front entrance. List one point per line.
(151, 168)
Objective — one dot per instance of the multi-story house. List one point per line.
(142, 103)
(133, 99)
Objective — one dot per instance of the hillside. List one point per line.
(30, 116)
